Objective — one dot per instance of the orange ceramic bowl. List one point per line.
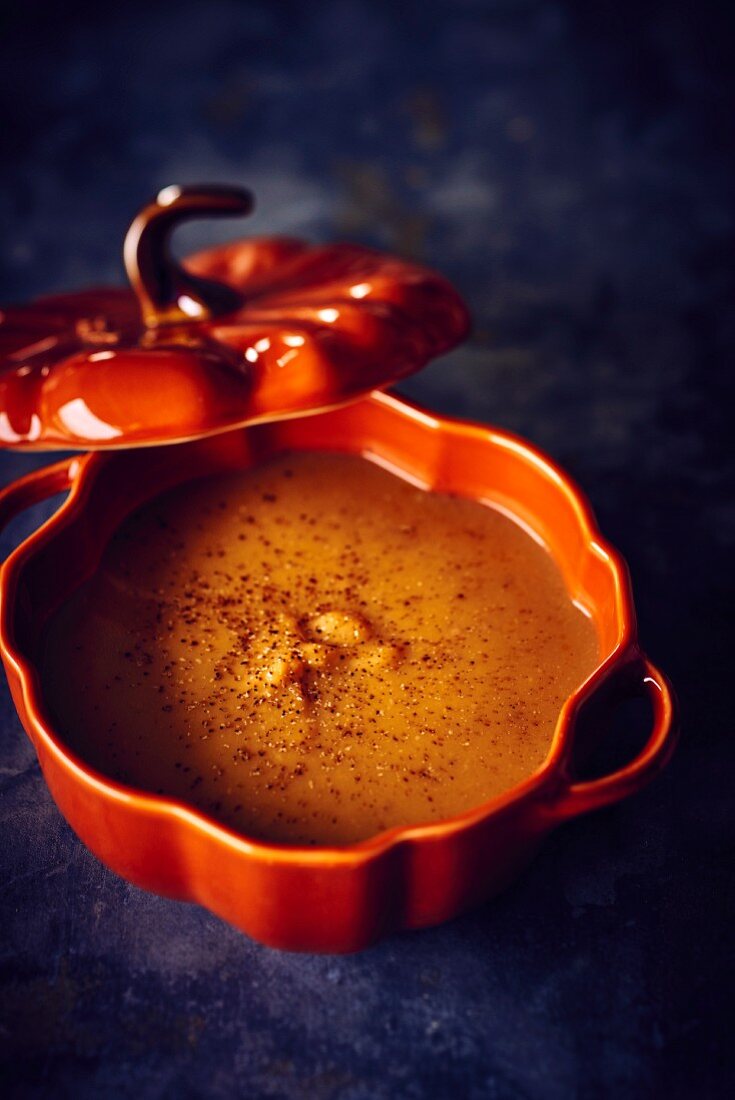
(331, 899)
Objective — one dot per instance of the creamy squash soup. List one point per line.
(314, 650)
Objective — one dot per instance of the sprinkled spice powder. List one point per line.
(314, 650)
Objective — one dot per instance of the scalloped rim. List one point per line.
(83, 471)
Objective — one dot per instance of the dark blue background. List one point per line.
(569, 166)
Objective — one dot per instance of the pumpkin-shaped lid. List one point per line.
(250, 331)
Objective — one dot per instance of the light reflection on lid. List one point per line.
(286, 358)
(82, 422)
(189, 306)
(9, 435)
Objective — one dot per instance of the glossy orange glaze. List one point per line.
(246, 332)
(327, 898)
(309, 672)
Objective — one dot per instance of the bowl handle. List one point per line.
(37, 486)
(644, 680)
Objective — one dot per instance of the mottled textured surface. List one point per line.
(569, 166)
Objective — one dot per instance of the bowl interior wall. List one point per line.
(438, 455)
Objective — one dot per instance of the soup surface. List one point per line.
(313, 650)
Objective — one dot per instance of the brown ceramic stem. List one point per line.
(168, 294)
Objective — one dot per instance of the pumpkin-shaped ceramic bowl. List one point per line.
(331, 899)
